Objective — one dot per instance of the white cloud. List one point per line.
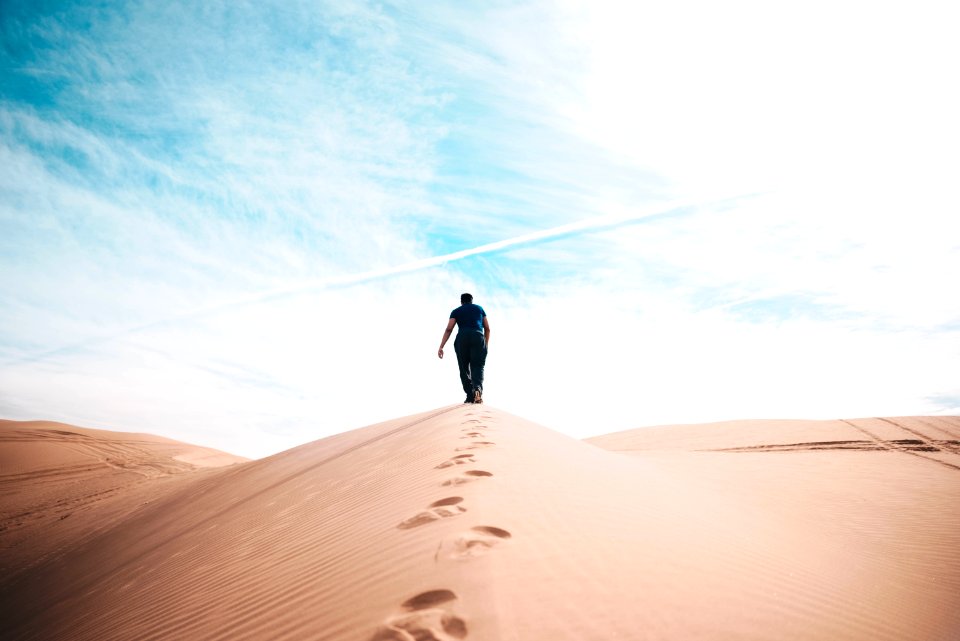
(572, 372)
(257, 379)
(751, 95)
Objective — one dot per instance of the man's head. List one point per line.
(466, 299)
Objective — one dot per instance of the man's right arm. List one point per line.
(486, 332)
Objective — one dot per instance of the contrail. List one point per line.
(589, 225)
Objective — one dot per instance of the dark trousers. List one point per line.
(471, 351)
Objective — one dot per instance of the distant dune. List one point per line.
(469, 523)
(938, 437)
(60, 483)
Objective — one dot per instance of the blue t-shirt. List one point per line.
(469, 317)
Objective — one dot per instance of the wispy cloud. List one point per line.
(597, 224)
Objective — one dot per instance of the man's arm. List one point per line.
(447, 332)
(486, 332)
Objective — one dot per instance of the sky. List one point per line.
(244, 224)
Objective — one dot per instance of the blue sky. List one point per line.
(244, 224)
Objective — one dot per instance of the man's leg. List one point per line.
(463, 362)
(478, 359)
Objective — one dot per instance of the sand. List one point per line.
(469, 523)
(61, 483)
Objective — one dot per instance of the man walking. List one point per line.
(473, 336)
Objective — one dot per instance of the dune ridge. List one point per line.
(469, 523)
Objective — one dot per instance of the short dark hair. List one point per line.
(466, 298)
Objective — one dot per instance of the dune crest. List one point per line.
(469, 523)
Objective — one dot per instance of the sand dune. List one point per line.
(60, 483)
(469, 523)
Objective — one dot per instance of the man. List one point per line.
(473, 337)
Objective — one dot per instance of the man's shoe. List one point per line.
(478, 395)
(469, 398)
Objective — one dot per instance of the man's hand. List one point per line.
(440, 352)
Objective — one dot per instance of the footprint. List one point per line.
(475, 445)
(441, 509)
(460, 459)
(472, 435)
(469, 475)
(478, 540)
(426, 618)
(429, 599)
(441, 505)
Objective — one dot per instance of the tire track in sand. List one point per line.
(893, 447)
